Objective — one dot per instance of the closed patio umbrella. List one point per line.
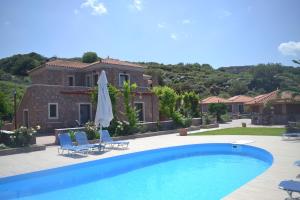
(104, 112)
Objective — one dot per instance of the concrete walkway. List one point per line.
(264, 186)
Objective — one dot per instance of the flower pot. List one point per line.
(182, 131)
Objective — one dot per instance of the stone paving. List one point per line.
(265, 186)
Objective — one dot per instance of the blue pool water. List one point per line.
(201, 171)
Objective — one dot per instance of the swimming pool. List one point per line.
(200, 171)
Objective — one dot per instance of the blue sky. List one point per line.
(220, 33)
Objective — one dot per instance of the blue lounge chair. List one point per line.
(82, 140)
(290, 187)
(66, 144)
(107, 140)
(288, 136)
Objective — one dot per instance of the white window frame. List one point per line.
(26, 109)
(143, 103)
(49, 117)
(83, 103)
(121, 84)
(73, 80)
(88, 84)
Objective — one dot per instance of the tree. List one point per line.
(3, 106)
(167, 100)
(191, 104)
(266, 77)
(238, 87)
(89, 57)
(21, 63)
(217, 109)
(297, 61)
(130, 111)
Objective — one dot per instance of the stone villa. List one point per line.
(59, 93)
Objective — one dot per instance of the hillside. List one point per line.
(226, 81)
(201, 78)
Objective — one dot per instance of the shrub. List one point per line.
(167, 100)
(208, 119)
(217, 109)
(225, 118)
(180, 120)
(23, 136)
(72, 135)
(91, 130)
(3, 146)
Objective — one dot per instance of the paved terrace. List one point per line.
(264, 186)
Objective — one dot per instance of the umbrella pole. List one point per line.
(100, 132)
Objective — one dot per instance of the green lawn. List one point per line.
(244, 131)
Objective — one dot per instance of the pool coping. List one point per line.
(265, 186)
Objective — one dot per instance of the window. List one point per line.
(123, 78)
(241, 108)
(95, 79)
(71, 81)
(88, 82)
(139, 107)
(25, 118)
(52, 110)
(85, 112)
(229, 108)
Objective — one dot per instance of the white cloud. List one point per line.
(76, 11)
(97, 8)
(290, 48)
(161, 25)
(174, 36)
(137, 4)
(186, 21)
(225, 13)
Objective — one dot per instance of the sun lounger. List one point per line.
(66, 144)
(290, 136)
(107, 140)
(82, 140)
(290, 187)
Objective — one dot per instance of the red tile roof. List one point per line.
(67, 63)
(81, 65)
(119, 62)
(264, 98)
(240, 99)
(214, 99)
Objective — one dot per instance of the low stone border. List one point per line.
(150, 134)
(10, 151)
(147, 134)
(209, 126)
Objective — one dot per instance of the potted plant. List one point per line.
(182, 131)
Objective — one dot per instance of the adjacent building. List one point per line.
(59, 95)
(237, 104)
(209, 100)
(277, 107)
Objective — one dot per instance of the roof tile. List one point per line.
(214, 99)
(240, 99)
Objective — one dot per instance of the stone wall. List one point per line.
(36, 101)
